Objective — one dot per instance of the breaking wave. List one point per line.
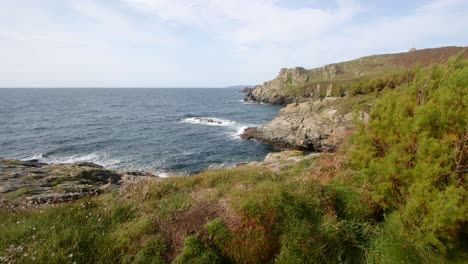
(236, 128)
(100, 158)
(209, 121)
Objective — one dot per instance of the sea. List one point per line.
(167, 131)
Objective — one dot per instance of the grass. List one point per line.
(261, 214)
(248, 214)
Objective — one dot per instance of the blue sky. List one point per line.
(207, 43)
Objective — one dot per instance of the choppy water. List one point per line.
(165, 130)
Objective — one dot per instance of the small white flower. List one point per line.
(71, 255)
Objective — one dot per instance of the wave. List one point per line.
(236, 128)
(209, 121)
(239, 132)
(100, 158)
(248, 103)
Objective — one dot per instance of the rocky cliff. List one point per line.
(318, 126)
(299, 84)
(319, 111)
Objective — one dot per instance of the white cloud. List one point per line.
(203, 42)
(265, 36)
(250, 21)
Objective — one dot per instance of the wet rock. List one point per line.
(88, 164)
(249, 133)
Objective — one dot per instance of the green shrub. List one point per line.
(195, 252)
(412, 157)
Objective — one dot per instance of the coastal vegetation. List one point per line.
(393, 192)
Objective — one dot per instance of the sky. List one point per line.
(207, 43)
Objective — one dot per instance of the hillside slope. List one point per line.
(298, 84)
(327, 99)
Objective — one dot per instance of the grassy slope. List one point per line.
(367, 68)
(340, 208)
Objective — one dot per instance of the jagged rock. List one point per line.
(278, 160)
(314, 126)
(249, 133)
(299, 84)
(99, 175)
(37, 183)
(271, 92)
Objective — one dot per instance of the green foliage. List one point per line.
(412, 158)
(218, 233)
(78, 232)
(195, 252)
(151, 252)
(377, 84)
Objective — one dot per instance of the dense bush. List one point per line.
(377, 84)
(412, 160)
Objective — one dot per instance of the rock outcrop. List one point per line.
(317, 117)
(299, 84)
(276, 161)
(272, 91)
(37, 183)
(318, 126)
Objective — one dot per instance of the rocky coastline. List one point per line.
(35, 183)
(319, 111)
(317, 122)
(30, 184)
(316, 126)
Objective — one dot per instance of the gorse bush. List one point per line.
(412, 156)
(377, 84)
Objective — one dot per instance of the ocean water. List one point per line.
(164, 130)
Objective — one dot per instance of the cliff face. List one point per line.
(318, 126)
(281, 89)
(299, 84)
(318, 114)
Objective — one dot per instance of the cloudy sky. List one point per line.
(207, 43)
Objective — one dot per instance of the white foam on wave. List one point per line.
(209, 121)
(163, 174)
(248, 103)
(36, 156)
(236, 129)
(100, 158)
(239, 132)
